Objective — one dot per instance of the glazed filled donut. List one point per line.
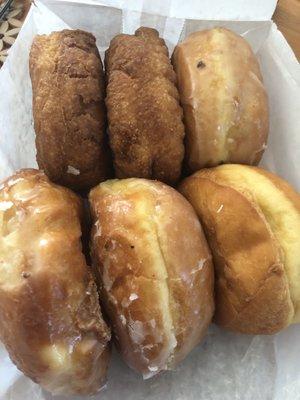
(68, 108)
(223, 98)
(251, 218)
(144, 116)
(50, 318)
(154, 269)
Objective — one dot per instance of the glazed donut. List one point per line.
(223, 98)
(251, 218)
(154, 269)
(50, 318)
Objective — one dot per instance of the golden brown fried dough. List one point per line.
(223, 98)
(252, 222)
(68, 108)
(50, 318)
(145, 118)
(155, 271)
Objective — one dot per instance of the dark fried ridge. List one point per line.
(68, 108)
(145, 118)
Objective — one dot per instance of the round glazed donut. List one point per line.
(251, 218)
(50, 318)
(154, 269)
(223, 98)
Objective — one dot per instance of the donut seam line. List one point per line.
(172, 350)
